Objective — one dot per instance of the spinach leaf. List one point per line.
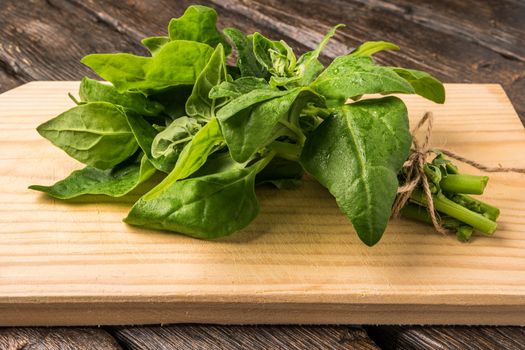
(193, 156)
(236, 88)
(199, 105)
(208, 206)
(251, 128)
(246, 60)
(357, 155)
(168, 144)
(198, 23)
(95, 133)
(371, 47)
(176, 63)
(276, 56)
(281, 173)
(217, 162)
(248, 100)
(114, 182)
(308, 66)
(163, 148)
(350, 76)
(423, 83)
(173, 100)
(95, 91)
(144, 134)
(154, 43)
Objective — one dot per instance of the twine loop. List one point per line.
(414, 170)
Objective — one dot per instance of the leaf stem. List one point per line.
(419, 213)
(460, 183)
(286, 150)
(476, 205)
(453, 209)
(301, 138)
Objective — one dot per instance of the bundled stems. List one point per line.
(441, 197)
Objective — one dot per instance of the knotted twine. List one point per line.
(415, 173)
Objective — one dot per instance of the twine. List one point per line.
(415, 173)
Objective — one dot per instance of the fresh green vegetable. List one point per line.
(169, 143)
(456, 210)
(114, 182)
(217, 130)
(356, 154)
(200, 104)
(178, 62)
(464, 183)
(207, 206)
(154, 43)
(95, 91)
(95, 133)
(198, 23)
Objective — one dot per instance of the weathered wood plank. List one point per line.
(46, 40)
(450, 338)
(8, 80)
(493, 24)
(145, 18)
(243, 337)
(50, 37)
(448, 56)
(56, 339)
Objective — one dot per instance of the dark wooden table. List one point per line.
(456, 40)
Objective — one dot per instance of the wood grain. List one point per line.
(450, 338)
(56, 339)
(299, 262)
(200, 337)
(458, 41)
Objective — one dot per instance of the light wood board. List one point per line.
(299, 262)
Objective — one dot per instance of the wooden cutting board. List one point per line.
(299, 262)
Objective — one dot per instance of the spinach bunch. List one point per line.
(217, 130)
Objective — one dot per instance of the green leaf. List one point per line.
(154, 43)
(176, 63)
(276, 56)
(236, 88)
(357, 154)
(207, 207)
(371, 47)
(163, 148)
(173, 100)
(350, 76)
(193, 156)
(248, 100)
(256, 125)
(246, 60)
(95, 133)
(114, 182)
(144, 134)
(282, 173)
(423, 83)
(198, 23)
(308, 66)
(217, 162)
(96, 91)
(241, 86)
(169, 143)
(199, 105)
